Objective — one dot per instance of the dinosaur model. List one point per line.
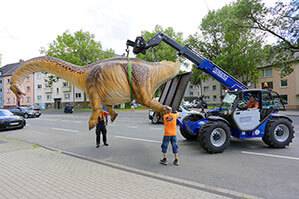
(106, 82)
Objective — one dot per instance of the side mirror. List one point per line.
(242, 106)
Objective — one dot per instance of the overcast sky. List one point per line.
(28, 25)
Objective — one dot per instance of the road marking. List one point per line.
(61, 120)
(133, 127)
(66, 130)
(270, 155)
(160, 129)
(137, 139)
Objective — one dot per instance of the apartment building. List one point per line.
(8, 97)
(287, 87)
(210, 89)
(57, 95)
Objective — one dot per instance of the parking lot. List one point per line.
(247, 166)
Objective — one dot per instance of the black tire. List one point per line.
(26, 115)
(273, 136)
(207, 136)
(187, 135)
(156, 119)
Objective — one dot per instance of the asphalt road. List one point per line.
(247, 166)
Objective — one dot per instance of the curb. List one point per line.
(177, 181)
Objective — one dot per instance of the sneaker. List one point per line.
(97, 146)
(106, 144)
(176, 162)
(164, 161)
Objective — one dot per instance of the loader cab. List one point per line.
(234, 107)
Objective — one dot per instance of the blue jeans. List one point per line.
(165, 142)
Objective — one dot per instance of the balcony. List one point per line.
(48, 89)
(66, 89)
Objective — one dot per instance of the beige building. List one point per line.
(9, 98)
(287, 87)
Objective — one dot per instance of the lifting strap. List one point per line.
(130, 79)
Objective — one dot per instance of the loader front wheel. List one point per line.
(214, 136)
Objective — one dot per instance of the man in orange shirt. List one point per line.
(101, 128)
(169, 119)
(252, 103)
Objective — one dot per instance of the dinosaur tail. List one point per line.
(58, 67)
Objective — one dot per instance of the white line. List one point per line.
(270, 155)
(160, 129)
(67, 130)
(138, 139)
(133, 127)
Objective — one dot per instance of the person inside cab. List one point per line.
(252, 102)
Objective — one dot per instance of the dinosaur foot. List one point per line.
(92, 123)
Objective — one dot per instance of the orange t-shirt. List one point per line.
(253, 104)
(170, 124)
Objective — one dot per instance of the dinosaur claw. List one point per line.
(113, 117)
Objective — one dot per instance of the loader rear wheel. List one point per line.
(214, 136)
(279, 133)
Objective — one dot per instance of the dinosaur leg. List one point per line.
(95, 103)
(146, 100)
(112, 113)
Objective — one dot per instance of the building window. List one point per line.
(267, 72)
(191, 93)
(191, 86)
(49, 97)
(28, 99)
(39, 97)
(8, 100)
(205, 88)
(67, 96)
(57, 90)
(8, 80)
(207, 97)
(65, 84)
(0, 90)
(39, 86)
(28, 88)
(284, 83)
(214, 87)
(266, 85)
(78, 95)
(284, 99)
(0, 81)
(214, 98)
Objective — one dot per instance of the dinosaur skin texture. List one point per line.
(105, 82)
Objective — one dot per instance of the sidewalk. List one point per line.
(291, 113)
(31, 171)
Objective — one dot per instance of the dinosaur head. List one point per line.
(17, 91)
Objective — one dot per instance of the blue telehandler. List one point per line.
(233, 118)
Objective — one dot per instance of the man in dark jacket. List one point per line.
(101, 128)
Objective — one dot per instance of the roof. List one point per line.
(295, 59)
(8, 69)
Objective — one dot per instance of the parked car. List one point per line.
(68, 108)
(36, 110)
(200, 104)
(25, 112)
(10, 121)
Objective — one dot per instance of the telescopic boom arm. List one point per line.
(202, 63)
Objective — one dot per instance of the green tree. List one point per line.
(280, 21)
(78, 48)
(162, 51)
(237, 50)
